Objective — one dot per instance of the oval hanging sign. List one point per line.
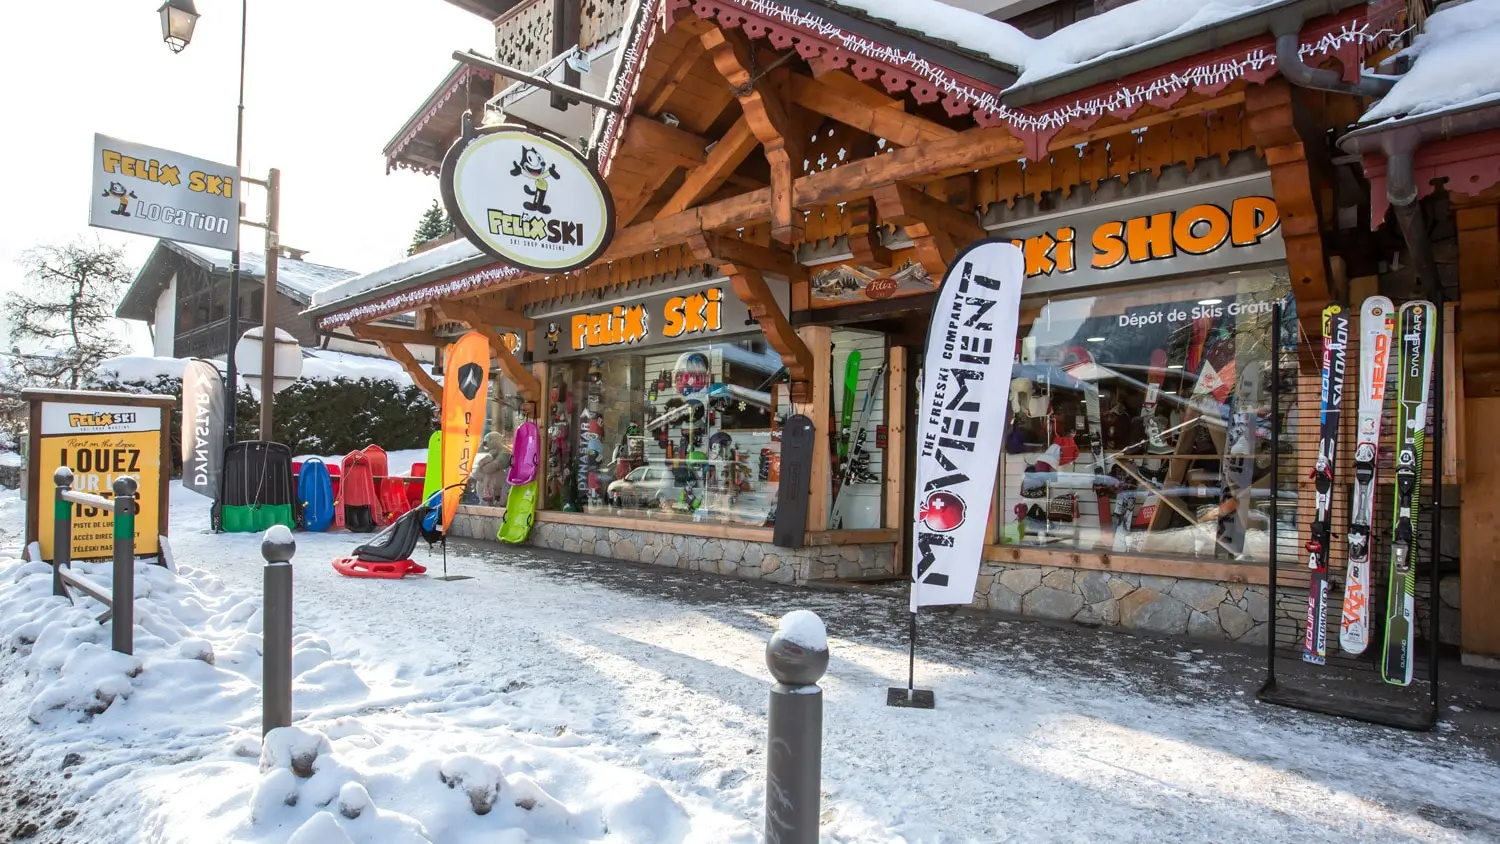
(528, 199)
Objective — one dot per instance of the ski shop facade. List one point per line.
(790, 181)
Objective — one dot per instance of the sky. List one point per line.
(327, 83)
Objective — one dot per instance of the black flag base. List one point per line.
(911, 697)
(446, 576)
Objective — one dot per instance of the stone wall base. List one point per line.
(731, 557)
(1201, 609)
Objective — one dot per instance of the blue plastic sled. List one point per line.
(315, 492)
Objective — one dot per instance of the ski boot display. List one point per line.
(1335, 343)
(1377, 319)
(1413, 376)
(1156, 376)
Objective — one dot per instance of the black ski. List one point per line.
(1335, 343)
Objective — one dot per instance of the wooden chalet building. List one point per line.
(811, 169)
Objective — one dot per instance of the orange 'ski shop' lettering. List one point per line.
(696, 313)
(954, 416)
(99, 420)
(1198, 230)
(532, 227)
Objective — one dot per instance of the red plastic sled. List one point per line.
(355, 567)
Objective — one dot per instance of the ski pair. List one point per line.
(1413, 378)
(855, 467)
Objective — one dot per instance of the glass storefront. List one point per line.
(1139, 420)
(687, 433)
(503, 414)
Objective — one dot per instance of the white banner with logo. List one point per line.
(203, 421)
(971, 346)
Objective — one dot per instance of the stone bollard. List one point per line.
(277, 547)
(62, 529)
(797, 656)
(122, 604)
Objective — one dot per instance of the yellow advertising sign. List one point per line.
(100, 443)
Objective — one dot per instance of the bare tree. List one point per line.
(63, 319)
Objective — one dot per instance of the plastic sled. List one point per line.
(393, 501)
(360, 504)
(315, 492)
(355, 567)
(520, 512)
(379, 462)
(433, 479)
(524, 455)
(256, 487)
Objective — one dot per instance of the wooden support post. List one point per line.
(938, 230)
(526, 383)
(743, 263)
(766, 108)
(818, 339)
(402, 355)
(894, 459)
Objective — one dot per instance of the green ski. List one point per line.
(846, 418)
(1415, 335)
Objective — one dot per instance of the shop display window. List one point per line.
(503, 414)
(1139, 420)
(686, 434)
(856, 486)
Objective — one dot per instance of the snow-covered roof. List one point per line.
(1455, 64)
(296, 278)
(457, 256)
(971, 31)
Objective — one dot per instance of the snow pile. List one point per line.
(10, 460)
(969, 30)
(1128, 27)
(804, 629)
(1454, 64)
(298, 279)
(317, 365)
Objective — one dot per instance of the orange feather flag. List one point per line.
(466, 379)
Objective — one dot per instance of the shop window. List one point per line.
(687, 434)
(1139, 421)
(857, 446)
(503, 415)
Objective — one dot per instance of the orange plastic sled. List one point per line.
(355, 567)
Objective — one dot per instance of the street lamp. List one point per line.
(178, 17)
(177, 20)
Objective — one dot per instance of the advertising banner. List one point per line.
(528, 199)
(971, 347)
(203, 421)
(466, 377)
(100, 442)
(165, 194)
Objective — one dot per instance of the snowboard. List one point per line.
(1238, 475)
(1335, 343)
(1377, 320)
(1415, 335)
(855, 468)
(796, 480)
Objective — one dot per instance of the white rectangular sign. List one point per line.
(971, 346)
(159, 193)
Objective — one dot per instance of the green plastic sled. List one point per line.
(434, 479)
(520, 512)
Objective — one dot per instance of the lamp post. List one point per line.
(178, 17)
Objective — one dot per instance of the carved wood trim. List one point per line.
(750, 285)
(526, 382)
(402, 355)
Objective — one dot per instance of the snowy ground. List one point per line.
(627, 704)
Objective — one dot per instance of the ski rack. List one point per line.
(1349, 686)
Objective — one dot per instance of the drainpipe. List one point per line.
(1400, 147)
(1287, 27)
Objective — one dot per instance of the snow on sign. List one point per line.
(528, 199)
(971, 346)
(159, 193)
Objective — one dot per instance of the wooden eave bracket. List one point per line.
(526, 382)
(395, 349)
(1270, 114)
(936, 228)
(745, 264)
(765, 107)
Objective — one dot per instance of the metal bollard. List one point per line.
(62, 530)
(797, 656)
(277, 547)
(122, 623)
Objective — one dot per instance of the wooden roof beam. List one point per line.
(729, 153)
(653, 139)
(856, 105)
(722, 249)
(766, 108)
(750, 285)
(389, 334)
(526, 382)
(676, 72)
(402, 355)
(935, 227)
